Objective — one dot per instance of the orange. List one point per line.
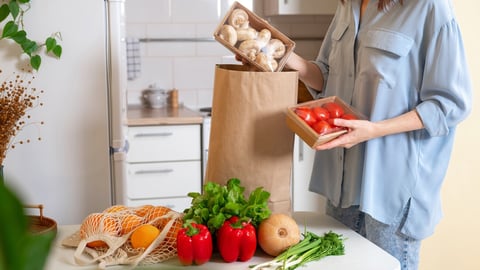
(144, 235)
(143, 210)
(156, 212)
(130, 222)
(98, 223)
(115, 209)
(176, 227)
(97, 244)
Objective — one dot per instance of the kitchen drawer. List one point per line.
(163, 179)
(164, 143)
(177, 204)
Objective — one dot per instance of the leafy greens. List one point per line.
(220, 202)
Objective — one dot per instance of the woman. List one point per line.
(402, 65)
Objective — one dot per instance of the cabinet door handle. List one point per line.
(300, 150)
(153, 171)
(158, 134)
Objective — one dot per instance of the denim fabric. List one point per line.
(388, 237)
(350, 217)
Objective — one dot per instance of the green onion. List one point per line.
(311, 248)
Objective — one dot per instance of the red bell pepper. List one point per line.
(237, 240)
(194, 244)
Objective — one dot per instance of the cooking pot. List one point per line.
(153, 97)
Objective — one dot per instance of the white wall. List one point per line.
(455, 244)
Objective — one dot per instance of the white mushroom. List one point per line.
(263, 37)
(238, 18)
(276, 48)
(228, 33)
(246, 33)
(268, 63)
(250, 48)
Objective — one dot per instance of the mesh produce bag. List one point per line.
(105, 238)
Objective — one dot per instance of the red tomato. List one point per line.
(330, 121)
(333, 127)
(334, 109)
(322, 127)
(321, 113)
(350, 116)
(306, 114)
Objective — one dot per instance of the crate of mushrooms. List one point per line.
(254, 39)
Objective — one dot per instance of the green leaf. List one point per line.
(4, 12)
(29, 46)
(35, 250)
(24, 1)
(14, 8)
(35, 61)
(20, 37)
(14, 224)
(9, 29)
(20, 249)
(57, 51)
(50, 43)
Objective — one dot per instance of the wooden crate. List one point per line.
(258, 24)
(305, 132)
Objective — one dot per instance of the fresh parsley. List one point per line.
(220, 202)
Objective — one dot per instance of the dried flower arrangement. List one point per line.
(17, 98)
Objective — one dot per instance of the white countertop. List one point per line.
(360, 254)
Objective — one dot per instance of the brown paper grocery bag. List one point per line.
(249, 139)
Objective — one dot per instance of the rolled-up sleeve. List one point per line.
(446, 93)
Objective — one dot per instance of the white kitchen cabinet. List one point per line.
(303, 199)
(299, 7)
(163, 165)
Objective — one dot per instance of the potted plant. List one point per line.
(17, 96)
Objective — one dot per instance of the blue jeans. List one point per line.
(388, 237)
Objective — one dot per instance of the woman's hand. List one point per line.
(363, 130)
(358, 132)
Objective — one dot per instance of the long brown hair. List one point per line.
(383, 4)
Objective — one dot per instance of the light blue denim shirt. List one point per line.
(408, 57)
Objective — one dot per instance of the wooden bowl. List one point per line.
(41, 224)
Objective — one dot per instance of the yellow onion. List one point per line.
(277, 233)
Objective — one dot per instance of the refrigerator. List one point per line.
(73, 169)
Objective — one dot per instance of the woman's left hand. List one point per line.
(358, 132)
(364, 130)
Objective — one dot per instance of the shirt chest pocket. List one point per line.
(388, 42)
(383, 55)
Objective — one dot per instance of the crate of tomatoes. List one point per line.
(312, 121)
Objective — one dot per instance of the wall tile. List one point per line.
(147, 11)
(179, 49)
(197, 11)
(194, 72)
(211, 49)
(136, 30)
(171, 30)
(206, 30)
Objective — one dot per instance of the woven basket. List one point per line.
(41, 224)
